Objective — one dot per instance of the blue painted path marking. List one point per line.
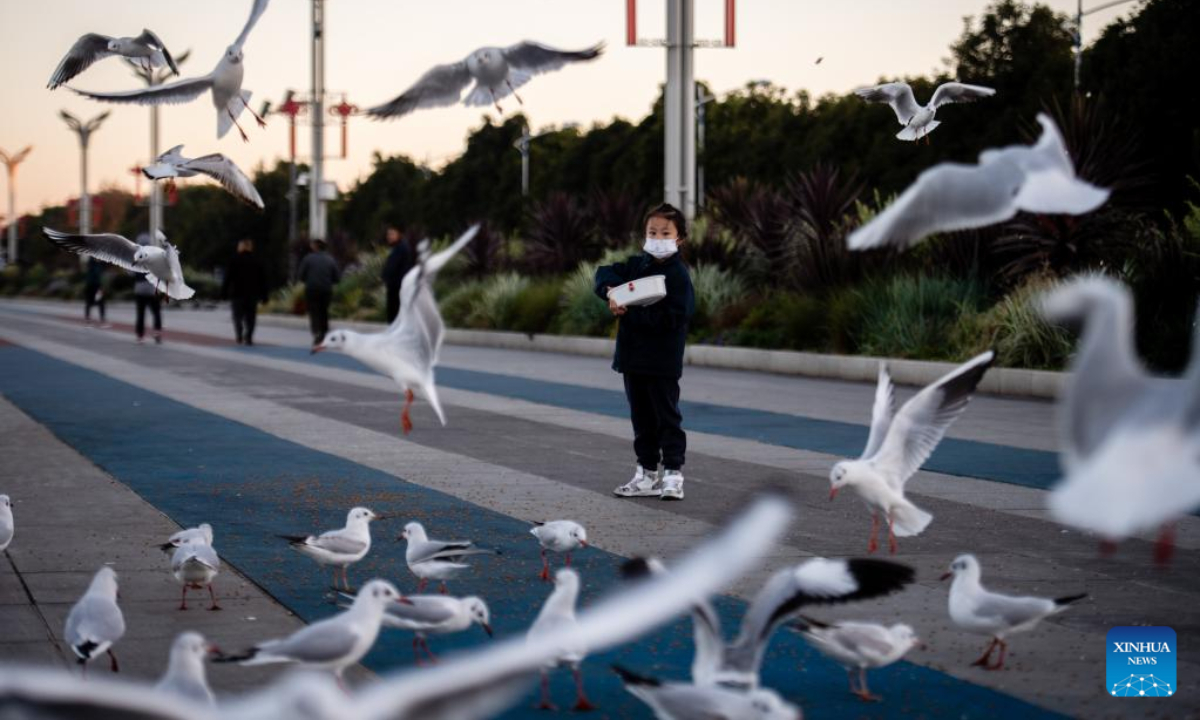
(252, 486)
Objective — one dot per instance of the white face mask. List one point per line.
(661, 247)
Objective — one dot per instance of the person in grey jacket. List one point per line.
(319, 273)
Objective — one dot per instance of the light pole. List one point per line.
(84, 131)
(702, 99)
(1080, 13)
(523, 145)
(317, 219)
(11, 162)
(150, 77)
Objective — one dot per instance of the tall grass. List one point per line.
(914, 316)
(1016, 330)
(495, 306)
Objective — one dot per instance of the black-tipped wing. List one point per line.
(87, 49)
(439, 87)
(149, 39)
(109, 247)
(535, 58)
(920, 425)
(176, 93)
(231, 177)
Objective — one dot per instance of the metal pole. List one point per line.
(1078, 41)
(522, 145)
(85, 200)
(316, 209)
(687, 106)
(12, 213)
(671, 110)
(702, 100)
(156, 218)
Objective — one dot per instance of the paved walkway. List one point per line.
(270, 440)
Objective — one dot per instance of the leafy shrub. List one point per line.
(914, 316)
(582, 312)
(561, 235)
(495, 306)
(1015, 329)
(536, 306)
(786, 321)
(456, 305)
(717, 290)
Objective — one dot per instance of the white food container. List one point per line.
(643, 291)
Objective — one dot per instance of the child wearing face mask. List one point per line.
(649, 354)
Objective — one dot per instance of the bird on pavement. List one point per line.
(95, 622)
(185, 675)
(859, 646)
(339, 548)
(685, 701)
(439, 560)
(562, 536)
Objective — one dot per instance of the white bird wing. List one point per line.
(200, 552)
(441, 550)
(256, 11)
(881, 411)
(95, 619)
(424, 609)
(1011, 611)
(53, 694)
(336, 541)
(897, 94)
(87, 50)
(178, 92)
(1051, 185)
(465, 682)
(440, 86)
(534, 58)
(326, 641)
(946, 197)
(231, 177)
(871, 642)
(108, 247)
(956, 92)
(176, 288)
(922, 422)
(149, 39)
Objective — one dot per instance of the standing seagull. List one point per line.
(954, 196)
(918, 121)
(426, 615)
(225, 82)
(195, 565)
(556, 616)
(339, 548)
(561, 536)
(6, 523)
(334, 643)
(173, 164)
(202, 533)
(1130, 440)
(408, 350)
(145, 49)
(898, 445)
(95, 621)
(859, 646)
(976, 609)
(436, 559)
(496, 72)
(159, 262)
(185, 675)
(683, 701)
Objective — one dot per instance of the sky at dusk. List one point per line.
(377, 48)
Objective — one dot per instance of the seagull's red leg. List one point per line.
(417, 650)
(873, 543)
(987, 656)
(568, 559)
(421, 585)
(442, 587)
(545, 575)
(850, 680)
(1003, 651)
(425, 644)
(545, 703)
(495, 101)
(514, 92)
(213, 595)
(405, 420)
(1165, 547)
(864, 693)
(245, 137)
(345, 577)
(261, 123)
(891, 535)
(113, 666)
(183, 597)
(582, 704)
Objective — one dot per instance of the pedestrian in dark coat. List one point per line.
(319, 273)
(399, 262)
(245, 286)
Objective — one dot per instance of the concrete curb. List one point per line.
(1013, 382)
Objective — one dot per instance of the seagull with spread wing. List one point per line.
(955, 196)
(899, 444)
(918, 121)
(146, 50)
(158, 262)
(408, 350)
(225, 83)
(495, 71)
(439, 560)
(173, 164)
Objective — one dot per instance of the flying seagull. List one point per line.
(496, 72)
(976, 609)
(899, 444)
(146, 50)
(225, 83)
(408, 350)
(173, 164)
(918, 121)
(954, 196)
(159, 262)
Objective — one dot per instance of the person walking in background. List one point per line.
(245, 286)
(319, 273)
(146, 297)
(93, 291)
(399, 262)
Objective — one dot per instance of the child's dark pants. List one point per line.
(657, 424)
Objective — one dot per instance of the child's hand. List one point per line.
(617, 310)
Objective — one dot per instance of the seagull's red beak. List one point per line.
(583, 543)
(947, 576)
(832, 493)
(487, 629)
(316, 349)
(214, 650)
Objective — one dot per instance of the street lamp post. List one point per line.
(1080, 13)
(523, 145)
(10, 163)
(317, 219)
(150, 77)
(702, 99)
(84, 131)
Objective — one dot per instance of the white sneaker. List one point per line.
(644, 484)
(672, 486)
